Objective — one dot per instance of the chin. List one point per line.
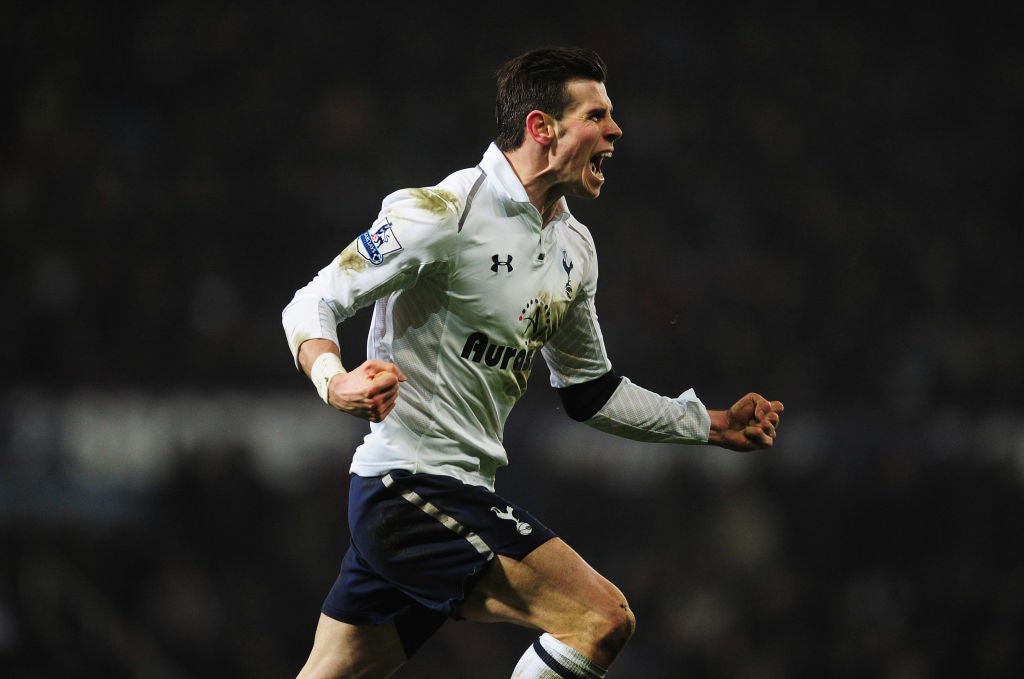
(586, 195)
(589, 190)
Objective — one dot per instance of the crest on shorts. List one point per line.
(521, 526)
(378, 241)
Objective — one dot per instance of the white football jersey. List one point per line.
(469, 287)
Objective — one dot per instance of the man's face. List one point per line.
(583, 139)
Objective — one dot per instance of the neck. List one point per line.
(531, 166)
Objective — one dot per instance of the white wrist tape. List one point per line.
(636, 413)
(326, 366)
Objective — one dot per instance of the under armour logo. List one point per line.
(521, 526)
(498, 262)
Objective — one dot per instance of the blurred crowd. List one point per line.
(823, 206)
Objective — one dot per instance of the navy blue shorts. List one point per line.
(419, 544)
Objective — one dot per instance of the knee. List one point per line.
(614, 625)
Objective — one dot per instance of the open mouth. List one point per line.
(597, 162)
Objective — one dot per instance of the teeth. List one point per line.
(597, 161)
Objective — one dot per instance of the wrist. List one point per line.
(323, 370)
(719, 423)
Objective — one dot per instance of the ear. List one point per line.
(540, 126)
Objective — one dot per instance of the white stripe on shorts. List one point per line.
(448, 522)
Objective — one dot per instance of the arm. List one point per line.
(368, 392)
(592, 393)
(617, 406)
(404, 240)
(310, 322)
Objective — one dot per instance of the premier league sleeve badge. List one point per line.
(378, 242)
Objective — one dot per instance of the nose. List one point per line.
(613, 132)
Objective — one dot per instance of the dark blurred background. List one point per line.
(820, 205)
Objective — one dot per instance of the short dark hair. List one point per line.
(536, 80)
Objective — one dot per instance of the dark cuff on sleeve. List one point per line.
(582, 401)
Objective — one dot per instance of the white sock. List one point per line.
(549, 658)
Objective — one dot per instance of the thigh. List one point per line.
(353, 651)
(551, 589)
(428, 538)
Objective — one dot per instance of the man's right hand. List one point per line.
(368, 392)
